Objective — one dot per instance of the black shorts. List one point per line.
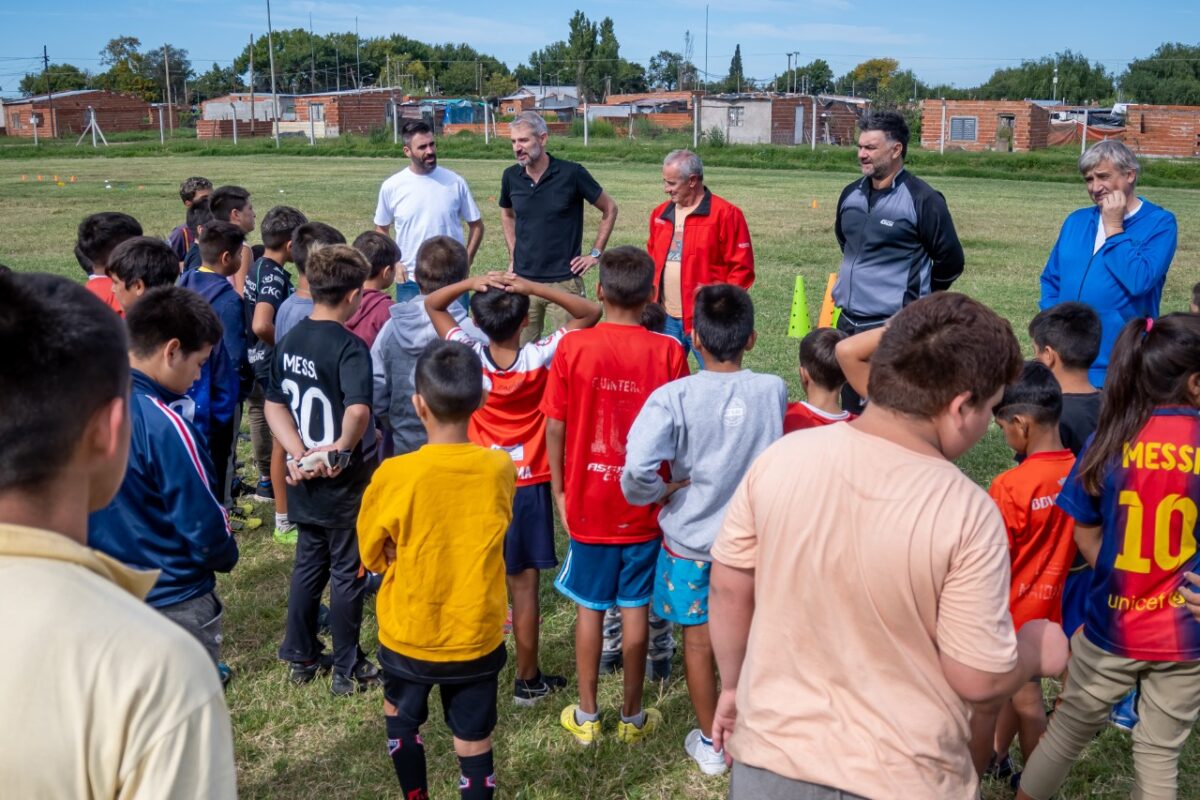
(468, 691)
(529, 541)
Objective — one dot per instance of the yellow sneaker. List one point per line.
(584, 732)
(629, 733)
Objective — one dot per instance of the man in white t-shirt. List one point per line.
(424, 200)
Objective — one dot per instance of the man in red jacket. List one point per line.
(696, 238)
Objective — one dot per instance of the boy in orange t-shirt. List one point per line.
(98, 235)
(1041, 546)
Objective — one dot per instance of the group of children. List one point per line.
(430, 447)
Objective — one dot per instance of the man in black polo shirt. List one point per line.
(897, 238)
(541, 211)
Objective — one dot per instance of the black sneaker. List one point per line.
(610, 664)
(530, 693)
(658, 669)
(364, 676)
(264, 492)
(301, 672)
(374, 581)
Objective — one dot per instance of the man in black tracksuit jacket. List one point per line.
(897, 238)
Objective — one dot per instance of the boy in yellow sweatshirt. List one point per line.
(433, 522)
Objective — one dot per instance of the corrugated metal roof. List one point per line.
(41, 98)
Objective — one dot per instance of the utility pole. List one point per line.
(788, 85)
(251, 90)
(388, 71)
(312, 49)
(706, 48)
(357, 60)
(49, 93)
(337, 65)
(274, 95)
(1054, 82)
(170, 105)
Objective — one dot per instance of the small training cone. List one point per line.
(60, 183)
(829, 312)
(72, 179)
(798, 325)
(24, 177)
(814, 203)
(39, 177)
(140, 187)
(56, 179)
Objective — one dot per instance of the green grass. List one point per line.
(301, 741)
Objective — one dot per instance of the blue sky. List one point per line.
(959, 43)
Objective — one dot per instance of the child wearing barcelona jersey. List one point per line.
(822, 379)
(1133, 495)
(512, 421)
(599, 380)
(1041, 545)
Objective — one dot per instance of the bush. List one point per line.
(598, 129)
(714, 137)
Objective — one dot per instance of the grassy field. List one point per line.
(301, 741)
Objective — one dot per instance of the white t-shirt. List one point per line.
(1102, 235)
(424, 206)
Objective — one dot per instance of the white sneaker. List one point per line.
(710, 761)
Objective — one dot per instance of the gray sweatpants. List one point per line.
(753, 783)
(661, 643)
(201, 617)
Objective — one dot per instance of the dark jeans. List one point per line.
(851, 401)
(323, 554)
(201, 617)
(222, 441)
(674, 329)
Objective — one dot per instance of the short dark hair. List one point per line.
(723, 320)
(627, 276)
(278, 224)
(220, 237)
(171, 312)
(333, 271)
(449, 377)
(498, 313)
(818, 358)
(145, 259)
(308, 235)
(99, 233)
(379, 250)
(199, 213)
(413, 127)
(188, 189)
(441, 261)
(65, 357)
(654, 317)
(1035, 394)
(5, 269)
(938, 347)
(1072, 330)
(891, 124)
(227, 199)
(1196, 295)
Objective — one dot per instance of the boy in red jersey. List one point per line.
(599, 380)
(98, 235)
(822, 379)
(511, 420)
(1041, 546)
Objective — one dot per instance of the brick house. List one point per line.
(330, 113)
(115, 113)
(1172, 131)
(767, 118)
(976, 125)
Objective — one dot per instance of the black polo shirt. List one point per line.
(549, 217)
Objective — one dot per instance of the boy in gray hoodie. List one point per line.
(441, 261)
(708, 427)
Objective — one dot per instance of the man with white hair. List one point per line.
(1114, 255)
(541, 211)
(696, 238)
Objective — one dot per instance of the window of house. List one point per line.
(317, 112)
(14, 120)
(1007, 121)
(736, 116)
(962, 129)
(289, 110)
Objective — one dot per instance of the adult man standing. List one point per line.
(897, 238)
(696, 238)
(424, 200)
(103, 696)
(1114, 256)
(541, 209)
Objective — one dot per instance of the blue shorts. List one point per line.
(681, 589)
(1075, 599)
(529, 541)
(599, 576)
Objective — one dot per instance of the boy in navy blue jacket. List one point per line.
(166, 515)
(222, 385)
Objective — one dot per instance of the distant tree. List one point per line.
(216, 82)
(871, 76)
(735, 81)
(589, 58)
(1078, 80)
(1170, 76)
(813, 77)
(181, 71)
(664, 70)
(63, 78)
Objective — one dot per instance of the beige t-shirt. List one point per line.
(672, 277)
(869, 559)
(101, 695)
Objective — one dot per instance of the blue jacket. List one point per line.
(219, 388)
(165, 515)
(1123, 280)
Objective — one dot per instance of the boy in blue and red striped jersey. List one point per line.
(166, 515)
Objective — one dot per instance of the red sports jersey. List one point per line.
(1041, 536)
(599, 380)
(102, 287)
(511, 419)
(803, 415)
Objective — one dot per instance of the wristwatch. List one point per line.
(595, 252)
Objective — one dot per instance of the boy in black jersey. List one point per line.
(319, 405)
(267, 286)
(1066, 338)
